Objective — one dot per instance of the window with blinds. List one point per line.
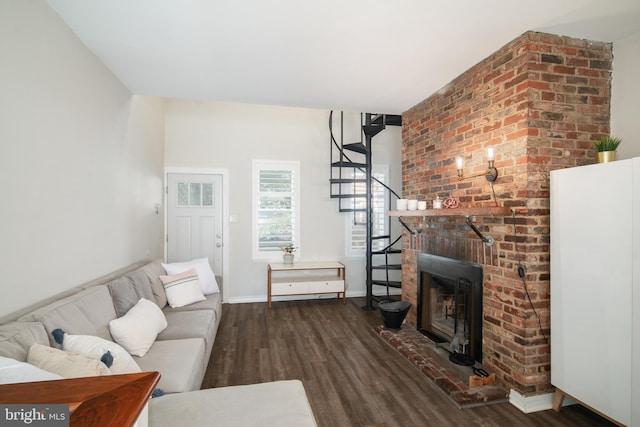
(356, 226)
(276, 198)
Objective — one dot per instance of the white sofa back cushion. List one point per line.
(96, 347)
(66, 364)
(205, 274)
(137, 330)
(183, 288)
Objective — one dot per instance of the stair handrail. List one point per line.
(390, 245)
(343, 154)
(344, 157)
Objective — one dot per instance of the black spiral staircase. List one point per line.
(352, 184)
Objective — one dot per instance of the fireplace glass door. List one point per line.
(450, 304)
(448, 310)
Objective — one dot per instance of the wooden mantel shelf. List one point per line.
(479, 211)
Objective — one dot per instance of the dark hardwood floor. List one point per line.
(352, 377)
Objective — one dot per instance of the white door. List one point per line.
(194, 218)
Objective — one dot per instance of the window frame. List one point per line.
(378, 169)
(274, 255)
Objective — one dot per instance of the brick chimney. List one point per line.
(540, 101)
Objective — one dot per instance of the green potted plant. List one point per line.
(288, 253)
(606, 148)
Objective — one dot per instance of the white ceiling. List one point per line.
(357, 55)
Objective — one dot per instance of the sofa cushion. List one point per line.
(65, 364)
(137, 330)
(96, 347)
(192, 324)
(206, 275)
(211, 302)
(87, 312)
(278, 403)
(124, 295)
(188, 324)
(14, 371)
(17, 337)
(127, 290)
(179, 363)
(183, 288)
(153, 270)
(141, 284)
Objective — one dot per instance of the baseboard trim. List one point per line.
(263, 298)
(539, 402)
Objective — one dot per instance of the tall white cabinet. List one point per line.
(595, 287)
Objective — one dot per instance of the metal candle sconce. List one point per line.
(491, 173)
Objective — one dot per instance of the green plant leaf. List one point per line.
(607, 143)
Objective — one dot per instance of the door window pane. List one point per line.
(194, 194)
(207, 194)
(183, 194)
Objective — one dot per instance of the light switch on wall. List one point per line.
(233, 218)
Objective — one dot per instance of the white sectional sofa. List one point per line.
(180, 352)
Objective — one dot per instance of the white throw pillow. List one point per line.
(65, 364)
(205, 274)
(13, 371)
(96, 347)
(137, 330)
(182, 288)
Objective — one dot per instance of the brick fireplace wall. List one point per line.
(540, 101)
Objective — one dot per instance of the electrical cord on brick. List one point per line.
(495, 199)
(521, 273)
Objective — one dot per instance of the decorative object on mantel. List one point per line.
(491, 173)
(451, 203)
(437, 203)
(606, 148)
(288, 253)
(461, 211)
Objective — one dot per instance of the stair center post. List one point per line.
(369, 213)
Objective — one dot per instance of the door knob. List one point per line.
(218, 245)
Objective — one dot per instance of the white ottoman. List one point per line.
(278, 404)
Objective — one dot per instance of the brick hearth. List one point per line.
(433, 362)
(540, 102)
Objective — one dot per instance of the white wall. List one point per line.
(228, 136)
(625, 93)
(80, 161)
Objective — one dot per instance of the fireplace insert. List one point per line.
(450, 305)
